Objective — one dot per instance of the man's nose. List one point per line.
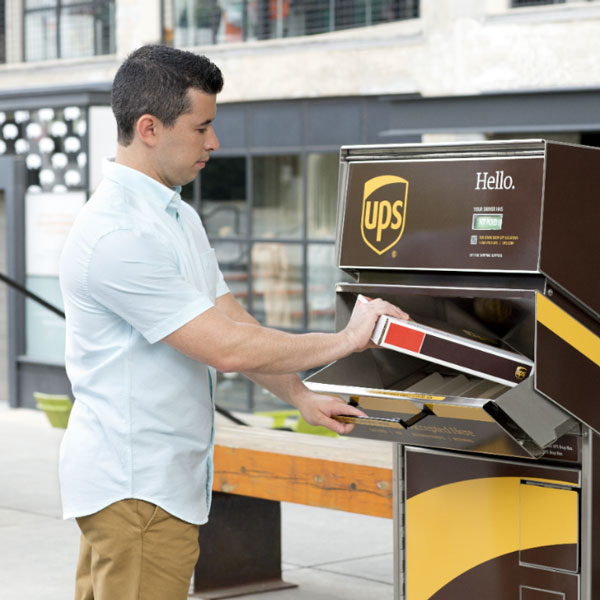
(212, 141)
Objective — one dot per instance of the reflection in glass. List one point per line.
(230, 22)
(321, 194)
(223, 193)
(232, 392)
(44, 331)
(40, 35)
(39, 3)
(234, 389)
(196, 23)
(323, 274)
(77, 32)
(233, 261)
(187, 193)
(277, 284)
(68, 29)
(199, 22)
(277, 186)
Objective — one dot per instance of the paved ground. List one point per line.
(329, 554)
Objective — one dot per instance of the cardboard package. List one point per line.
(452, 350)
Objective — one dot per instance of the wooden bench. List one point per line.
(255, 470)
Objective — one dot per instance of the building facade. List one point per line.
(301, 79)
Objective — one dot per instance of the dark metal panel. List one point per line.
(594, 559)
(564, 110)
(240, 548)
(570, 242)
(436, 230)
(56, 96)
(334, 122)
(567, 377)
(452, 478)
(434, 469)
(276, 124)
(231, 126)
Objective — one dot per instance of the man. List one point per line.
(149, 319)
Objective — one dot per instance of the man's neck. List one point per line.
(135, 159)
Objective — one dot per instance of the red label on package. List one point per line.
(404, 337)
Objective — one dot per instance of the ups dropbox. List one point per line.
(492, 247)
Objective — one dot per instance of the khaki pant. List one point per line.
(134, 550)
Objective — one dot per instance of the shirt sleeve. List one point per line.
(136, 276)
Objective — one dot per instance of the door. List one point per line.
(505, 530)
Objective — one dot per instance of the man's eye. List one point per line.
(202, 130)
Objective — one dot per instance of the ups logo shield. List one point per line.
(521, 373)
(383, 211)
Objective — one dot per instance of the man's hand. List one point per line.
(364, 318)
(317, 409)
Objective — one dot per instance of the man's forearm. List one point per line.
(285, 387)
(228, 338)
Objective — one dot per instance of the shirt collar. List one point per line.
(167, 198)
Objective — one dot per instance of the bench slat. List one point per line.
(338, 485)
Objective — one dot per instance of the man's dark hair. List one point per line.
(154, 80)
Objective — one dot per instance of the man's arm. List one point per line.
(316, 409)
(230, 340)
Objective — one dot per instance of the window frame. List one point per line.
(275, 28)
(57, 8)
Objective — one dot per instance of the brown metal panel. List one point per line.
(504, 579)
(595, 517)
(567, 376)
(570, 241)
(463, 524)
(453, 468)
(473, 214)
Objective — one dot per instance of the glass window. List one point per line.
(196, 22)
(277, 284)
(233, 261)
(277, 196)
(187, 194)
(39, 3)
(68, 28)
(231, 20)
(48, 219)
(44, 330)
(321, 194)
(232, 392)
(77, 32)
(40, 35)
(224, 201)
(322, 276)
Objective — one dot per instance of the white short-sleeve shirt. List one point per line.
(136, 266)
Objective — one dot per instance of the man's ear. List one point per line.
(148, 128)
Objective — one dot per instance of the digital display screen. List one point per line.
(483, 222)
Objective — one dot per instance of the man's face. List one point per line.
(185, 148)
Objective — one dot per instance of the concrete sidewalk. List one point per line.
(329, 554)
